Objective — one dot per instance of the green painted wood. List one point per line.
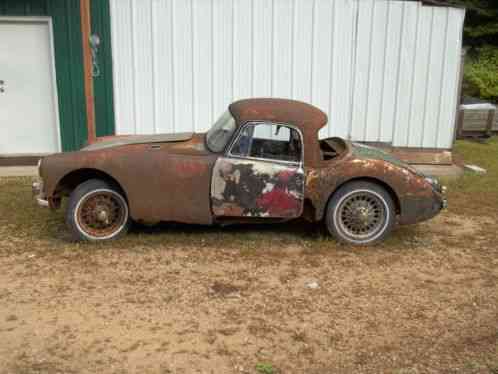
(102, 84)
(69, 64)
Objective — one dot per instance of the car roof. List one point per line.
(304, 116)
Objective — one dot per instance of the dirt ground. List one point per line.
(248, 299)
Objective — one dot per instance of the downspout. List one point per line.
(87, 70)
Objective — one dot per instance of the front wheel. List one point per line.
(97, 211)
(360, 213)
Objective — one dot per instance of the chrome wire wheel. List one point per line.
(360, 213)
(101, 214)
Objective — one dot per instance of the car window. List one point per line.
(220, 133)
(268, 141)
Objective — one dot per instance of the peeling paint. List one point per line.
(251, 188)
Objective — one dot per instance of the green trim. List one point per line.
(102, 85)
(66, 23)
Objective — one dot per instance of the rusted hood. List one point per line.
(116, 141)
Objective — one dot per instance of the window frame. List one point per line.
(239, 132)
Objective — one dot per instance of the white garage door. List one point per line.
(382, 70)
(28, 119)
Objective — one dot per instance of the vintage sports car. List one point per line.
(262, 161)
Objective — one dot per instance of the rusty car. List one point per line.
(261, 161)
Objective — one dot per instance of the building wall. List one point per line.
(65, 16)
(383, 70)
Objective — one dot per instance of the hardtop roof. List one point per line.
(304, 116)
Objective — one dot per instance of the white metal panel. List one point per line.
(163, 66)
(391, 70)
(142, 65)
(344, 38)
(203, 65)
(377, 69)
(434, 81)
(324, 16)
(451, 74)
(262, 48)
(243, 48)
(303, 22)
(282, 36)
(420, 76)
(183, 62)
(363, 62)
(406, 73)
(123, 69)
(222, 55)
(383, 70)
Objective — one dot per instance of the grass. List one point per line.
(265, 368)
(481, 190)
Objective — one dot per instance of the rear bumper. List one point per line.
(415, 210)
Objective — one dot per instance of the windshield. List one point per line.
(221, 132)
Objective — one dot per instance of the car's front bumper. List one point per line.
(37, 189)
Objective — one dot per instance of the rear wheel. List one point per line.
(97, 211)
(360, 213)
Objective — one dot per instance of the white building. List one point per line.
(384, 71)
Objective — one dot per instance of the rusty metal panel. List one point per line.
(251, 188)
(166, 181)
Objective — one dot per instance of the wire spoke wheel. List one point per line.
(100, 214)
(361, 215)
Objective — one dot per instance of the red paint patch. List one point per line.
(279, 203)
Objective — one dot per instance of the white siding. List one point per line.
(382, 70)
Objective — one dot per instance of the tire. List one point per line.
(97, 211)
(360, 213)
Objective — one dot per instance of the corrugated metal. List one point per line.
(384, 71)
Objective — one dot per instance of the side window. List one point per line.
(268, 141)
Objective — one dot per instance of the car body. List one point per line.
(261, 161)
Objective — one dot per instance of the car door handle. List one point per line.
(155, 146)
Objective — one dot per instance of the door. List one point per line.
(261, 175)
(28, 120)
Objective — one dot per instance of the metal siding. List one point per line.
(322, 55)
(391, 70)
(383, 70)
(377, 68)
(450, 80)
(405, 74)
(344, 39)
(262, 48)
(203, 63)
(433, 98)
(420, 77)
(364, 52)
